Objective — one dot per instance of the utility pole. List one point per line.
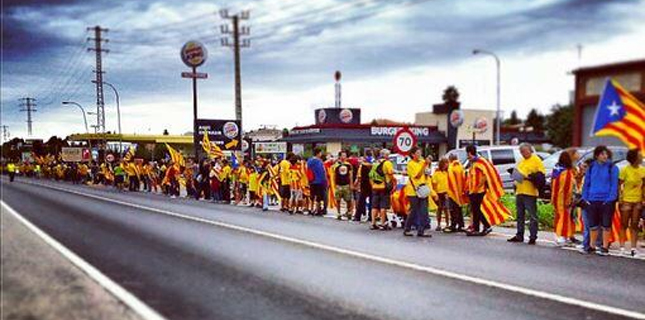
(28, 105)
(5, 133)
(100, 104)
(237, 44)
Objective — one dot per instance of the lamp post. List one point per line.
(498, 116)
(118, 112)
(82, 111)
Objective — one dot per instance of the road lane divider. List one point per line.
(104, 281)
(379, 259)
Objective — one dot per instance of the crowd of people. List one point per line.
(593, 197)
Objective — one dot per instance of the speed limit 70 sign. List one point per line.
(404, 140)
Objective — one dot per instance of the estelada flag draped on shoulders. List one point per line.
(562, 185)
(457, 183)
(621, 115)
(492, 207)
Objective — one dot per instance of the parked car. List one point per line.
(619, 154)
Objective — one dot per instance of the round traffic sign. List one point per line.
(404, 140)
(193, 53)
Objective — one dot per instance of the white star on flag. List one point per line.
(613, 108)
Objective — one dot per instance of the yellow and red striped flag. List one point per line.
(457, 183)
(562, 184)
(621, 115)
(212, 150)
(492, 207)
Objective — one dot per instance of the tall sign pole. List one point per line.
(194, 54)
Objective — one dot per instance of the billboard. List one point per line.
(227, 134)
(71, 154)
(270, 147)
(338, 116)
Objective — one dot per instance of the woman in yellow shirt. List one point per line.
(440, 186)
(631, 180)
(417, 181)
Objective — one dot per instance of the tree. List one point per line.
(450, 95)
(559, 124)
(536, 120)
(513, 120)
(165, 132)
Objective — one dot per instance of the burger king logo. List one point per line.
(480, 125)
(322, 116)
(346, 115)
(231, 130)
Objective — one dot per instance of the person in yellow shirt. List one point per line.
(285, 181)
(631, 185)
(440, 186)
(254, 187)
(133, 179)
(417, 191)
(83, 171)
(383, 183)
(11, 169)
(224, 178)
(526, 193)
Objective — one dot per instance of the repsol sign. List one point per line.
(391, 131)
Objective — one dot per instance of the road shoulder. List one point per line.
(39, 283)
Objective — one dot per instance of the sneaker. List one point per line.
(584, 250)
(487, 231)
(374, 227)
(515, 239)
(407, 233)
(602, 252)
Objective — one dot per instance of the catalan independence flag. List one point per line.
(492, 207)
(212, 150)
(620, 115)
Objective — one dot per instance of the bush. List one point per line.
(545, 211)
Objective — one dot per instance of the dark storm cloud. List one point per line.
(436, 38)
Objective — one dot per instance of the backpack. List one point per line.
(376, 173)
(538, 179)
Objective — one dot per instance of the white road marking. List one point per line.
(115, 289)
(407, 265)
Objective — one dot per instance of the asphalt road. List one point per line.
(198, 260)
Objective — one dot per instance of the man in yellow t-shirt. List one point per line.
(527, 193)
(418, 213)
(11, 169)
(382, 180)
(631, 186)
(285, 181)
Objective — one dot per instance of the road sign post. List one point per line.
(194, 54)
(404, 140)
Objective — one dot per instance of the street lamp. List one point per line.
(498, 121)
(118, 111)
(82, 111)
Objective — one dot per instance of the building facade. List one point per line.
(589, 84)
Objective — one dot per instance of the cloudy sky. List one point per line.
(396, 56)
